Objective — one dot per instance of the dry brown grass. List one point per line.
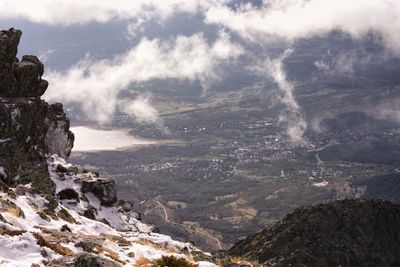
(143, 262)
(239, 260)
(60, 236)
(117, 239)
(112, 254)
(236, 260)
(4, 231)
(172, 261)
(165, 248)
(17, 212)
(53, 245)
(64, 214)
(34, 206)
(10, 207)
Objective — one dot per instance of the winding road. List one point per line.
(200, 231)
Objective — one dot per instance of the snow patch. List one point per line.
(4, 140)
(15, 115)
(3, 172)
(19, 251)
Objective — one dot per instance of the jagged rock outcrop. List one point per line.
(90, 260)
(30, 128)
(9, 41)
(103, 189)
(19, 79)
(341, 233)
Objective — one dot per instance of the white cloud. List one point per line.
(96, 84)
(45, 55)
(322, 66)
(291, 116)
(141, 109)
(67, 12)
(134, 28)
(289, 19)
(292, 19)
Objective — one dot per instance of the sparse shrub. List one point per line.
(5, 231)
(43, 242)
(64, 214)
(143, 262)
(171, 261)
(10, 207)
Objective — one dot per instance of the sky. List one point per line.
(95, 50)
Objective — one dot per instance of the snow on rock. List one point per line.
(19, 251)
(38, 229)
(15, 115)
(4, 140)
(3, 173)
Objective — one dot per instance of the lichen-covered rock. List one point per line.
(8, 85)
(103, 189)
(91, 260)
(28, 75)
(9, 41)
(35, 61)
(30, 128)
(90, 244)
(68, 193)
(19, 79)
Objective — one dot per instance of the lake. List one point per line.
(91, 139)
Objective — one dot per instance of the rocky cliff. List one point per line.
(52, 213)
(30, 128)
(341, 233)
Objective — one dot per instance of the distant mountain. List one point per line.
(385, 186)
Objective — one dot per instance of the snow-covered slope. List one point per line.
(38, 230)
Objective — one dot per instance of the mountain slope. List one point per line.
(39, 229)
(341, 233)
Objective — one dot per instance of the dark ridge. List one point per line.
(341, 233)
